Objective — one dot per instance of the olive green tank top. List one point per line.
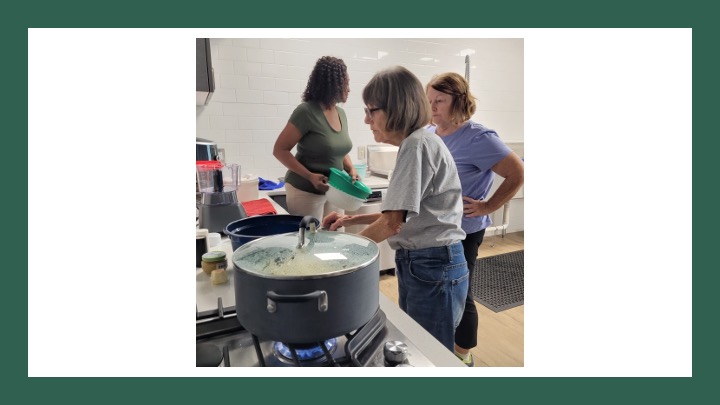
(320, 147)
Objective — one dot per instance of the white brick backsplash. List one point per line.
(298, 72)
(276, 124)
(250, 110)
(499, 100)
(290, 45)
(202, 122)
(260, 55)
(508, 124)
(232, 53)
(262, 83)
(262, 110)
(274, 70)
(223, 122)
(290, 86)
(295, 98)
(266, 136)
(210, 109)
(275, 97)
(231, 149)
(230, 81)
(251, 123)
(246, 42)
(364, 65)
(249, 96)
(295, 59)
(223, 67)
(247, 68)
(263, 149)
(239, 136)
(416, 46)
(216, 135)
(286, 110)
(223, 95)
(500, 80)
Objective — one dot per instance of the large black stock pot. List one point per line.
(306, 286)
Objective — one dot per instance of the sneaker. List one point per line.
(470, 361)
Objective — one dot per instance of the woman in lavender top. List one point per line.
(479, 154)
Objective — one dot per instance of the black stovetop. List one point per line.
(221, 332)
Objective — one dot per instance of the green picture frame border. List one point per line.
(371, 14)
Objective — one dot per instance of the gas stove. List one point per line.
(390, 338)
(222, 341)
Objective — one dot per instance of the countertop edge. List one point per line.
(438, 354)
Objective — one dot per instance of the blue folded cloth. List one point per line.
(268, 185)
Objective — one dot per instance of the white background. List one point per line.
(111, 130)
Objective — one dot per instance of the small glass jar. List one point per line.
(213, 260)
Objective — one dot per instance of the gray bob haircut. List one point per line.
(401, 95)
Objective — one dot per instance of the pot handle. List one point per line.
(304, 223)
(273, 298)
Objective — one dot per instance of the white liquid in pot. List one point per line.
(317, 257)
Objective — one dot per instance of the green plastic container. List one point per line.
(342, 181)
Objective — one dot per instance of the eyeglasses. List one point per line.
(369, 111)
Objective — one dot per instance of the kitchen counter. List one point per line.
(207, 294)
(209, 297)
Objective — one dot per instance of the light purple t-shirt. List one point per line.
(476, 150)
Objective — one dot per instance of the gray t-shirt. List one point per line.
(425, 183)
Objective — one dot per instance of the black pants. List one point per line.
(466, 332)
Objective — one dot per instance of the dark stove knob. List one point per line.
(208, 355)
(395, 352)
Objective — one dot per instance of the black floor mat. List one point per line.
(498, 281)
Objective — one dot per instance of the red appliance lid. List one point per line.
(209, 164)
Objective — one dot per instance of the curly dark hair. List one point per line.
(327, 82)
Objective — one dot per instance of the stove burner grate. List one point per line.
(355, 346)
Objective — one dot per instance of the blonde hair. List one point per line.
(463, 105)
(400, 94)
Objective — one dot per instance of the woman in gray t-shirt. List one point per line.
(422, 210)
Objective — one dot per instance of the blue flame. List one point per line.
(306, 353)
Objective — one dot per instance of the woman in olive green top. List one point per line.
(318, 127)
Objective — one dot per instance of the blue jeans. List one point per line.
(432, 287)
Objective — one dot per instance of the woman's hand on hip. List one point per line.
(474, 208)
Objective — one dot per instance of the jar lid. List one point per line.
(213, 256)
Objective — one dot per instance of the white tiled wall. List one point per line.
(260, 81)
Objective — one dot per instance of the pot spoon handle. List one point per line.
(304, 223)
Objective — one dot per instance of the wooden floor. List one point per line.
(501, 336)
